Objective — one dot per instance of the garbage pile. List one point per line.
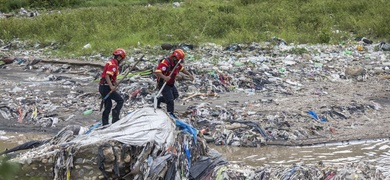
(243, 95)
(144, 144)
(152, 145)
(359, 170)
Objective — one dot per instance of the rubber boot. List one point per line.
(115, 116)
(159, 100)
(173, 115)
(104, 120)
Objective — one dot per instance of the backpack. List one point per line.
(169, 62)
(160, 82)
(160, 60)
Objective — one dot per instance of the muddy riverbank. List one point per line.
(247, 98)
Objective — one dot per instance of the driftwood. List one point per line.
(74, 62)
(55, 61)
(385, 77)
(201, 94)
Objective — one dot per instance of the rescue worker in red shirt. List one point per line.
(108, 83)
(163, 70)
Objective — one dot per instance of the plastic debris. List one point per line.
(245, 95)
(88, 112)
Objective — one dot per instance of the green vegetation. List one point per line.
(8, 170)
(298, 51)
(107, 24)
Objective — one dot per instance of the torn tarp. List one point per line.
(158, 164)
(206, 164)
(142, 126)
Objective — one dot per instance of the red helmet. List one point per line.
(121, 52)
(178, 53)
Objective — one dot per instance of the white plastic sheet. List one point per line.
(138, 128)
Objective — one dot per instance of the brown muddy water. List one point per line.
(375, 151)
(12, 139)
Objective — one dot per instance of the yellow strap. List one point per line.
(68, 175)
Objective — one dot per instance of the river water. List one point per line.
(374, 151)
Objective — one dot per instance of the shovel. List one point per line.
(159, 92)
(106, 97)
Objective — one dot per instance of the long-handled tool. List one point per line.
(159, 92)
(112, 90)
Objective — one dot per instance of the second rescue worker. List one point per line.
(163, 70)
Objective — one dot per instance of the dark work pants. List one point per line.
(104, 90)
(169, 94)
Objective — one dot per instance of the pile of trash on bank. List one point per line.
(148, 144)
(262, 76)
(144, 144)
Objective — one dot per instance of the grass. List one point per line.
(106, 24)
(8, 169)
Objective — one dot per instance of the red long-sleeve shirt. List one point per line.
(112, 69)
(166, 69)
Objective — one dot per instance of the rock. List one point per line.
(306, 56)
(355, 71)
(166, 46)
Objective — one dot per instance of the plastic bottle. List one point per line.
(282, 70)
(347, 52)
(87, 112)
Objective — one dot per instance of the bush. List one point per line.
(10, 5)
(324, 37)
(52, 4)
